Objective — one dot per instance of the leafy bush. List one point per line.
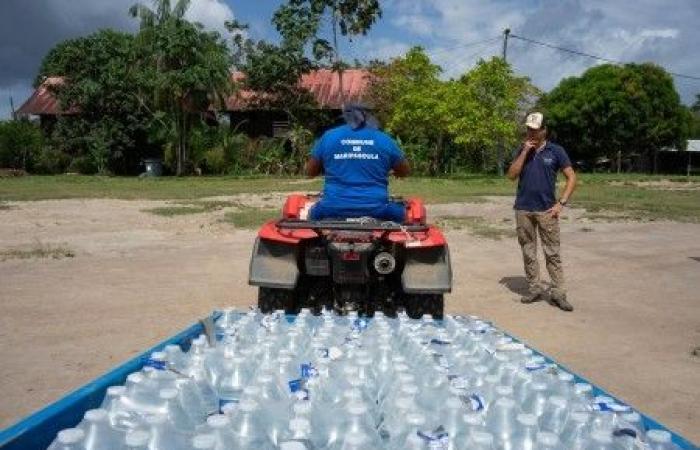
(52, 161)
(83, 164)
(20, 144)
(272, 157)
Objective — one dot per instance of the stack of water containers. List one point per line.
(350, 383)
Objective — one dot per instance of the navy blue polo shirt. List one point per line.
(537, 183)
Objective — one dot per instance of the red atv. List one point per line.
(359, 264)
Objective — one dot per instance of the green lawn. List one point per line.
(598, 193)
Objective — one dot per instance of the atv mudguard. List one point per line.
(427, 271)
(273, 265)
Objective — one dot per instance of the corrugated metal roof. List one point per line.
(42, 100)
(324, 84)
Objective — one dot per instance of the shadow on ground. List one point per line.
(517, 285)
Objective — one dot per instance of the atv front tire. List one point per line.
(271, 299)
(418, 305)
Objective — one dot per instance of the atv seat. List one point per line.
(298, 206)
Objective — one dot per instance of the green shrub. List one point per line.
(83, 164)
(52, 161)
(216, 161)
(20, 144)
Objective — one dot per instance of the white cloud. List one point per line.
(664, 32)
(210, 13)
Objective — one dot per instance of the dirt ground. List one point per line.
(136, 278)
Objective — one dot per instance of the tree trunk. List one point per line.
(501, 159)
(336, 55)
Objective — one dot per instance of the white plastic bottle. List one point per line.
(69, 439)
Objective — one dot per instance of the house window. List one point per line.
(280, 128)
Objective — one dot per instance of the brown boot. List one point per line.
(532, 297)
(562, 303)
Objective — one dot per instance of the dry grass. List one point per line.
(249, 217)
(37, 250)
(478, 226)
(191, 207)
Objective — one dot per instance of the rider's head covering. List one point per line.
(358, 115)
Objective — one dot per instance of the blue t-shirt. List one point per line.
(537, 183)
(356, 165)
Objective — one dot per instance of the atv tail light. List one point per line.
(350, 256)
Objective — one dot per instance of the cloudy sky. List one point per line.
(456, 33)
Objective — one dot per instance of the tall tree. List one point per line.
(303, 21)
(609, 109)
(184, 69)
(486, 106)
(273, 71)
(99, 82)
(455, 121)
(410, 99)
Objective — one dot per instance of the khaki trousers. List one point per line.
(528, 226)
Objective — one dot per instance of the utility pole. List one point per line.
(12, 109)
(501, 145)
(506, 33)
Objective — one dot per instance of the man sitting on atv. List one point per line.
(356, 160)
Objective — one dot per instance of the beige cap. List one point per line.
(534, 120)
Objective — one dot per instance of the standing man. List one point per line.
(537, 209)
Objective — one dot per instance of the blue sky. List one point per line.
(662, 31)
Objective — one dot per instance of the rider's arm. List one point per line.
(313, 167)
(401, 169)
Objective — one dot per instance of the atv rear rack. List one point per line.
(293, 224)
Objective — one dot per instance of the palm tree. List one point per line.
(161, 14)
(185, 67)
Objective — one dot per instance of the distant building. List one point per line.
(672, 160)
(323, 84)
(244, 115)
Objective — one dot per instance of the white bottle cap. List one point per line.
(156, 419)
(582, 388)
(557, 401)
(482, 438)
(453, 403)
(415, 419)
(218, 421)
(252, 391)
(302, 408)
(116, 391)
(71, 436)
(579, 416)
(96, 415)
(229, 408)
(299, 424)
(159, 356)
(167, 393)
(204, 442)
(566, 377)
(659, 436)
(134, 377)
(602, 436)
(247, 405)
(504, 391)
(137, 438)
(528, 420)
(547, 438)
(632, 417)
(505, 402)
(357, 408)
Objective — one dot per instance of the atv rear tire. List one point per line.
(418, 305)
(271, 299)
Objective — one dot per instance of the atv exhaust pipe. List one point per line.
(384, 263)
